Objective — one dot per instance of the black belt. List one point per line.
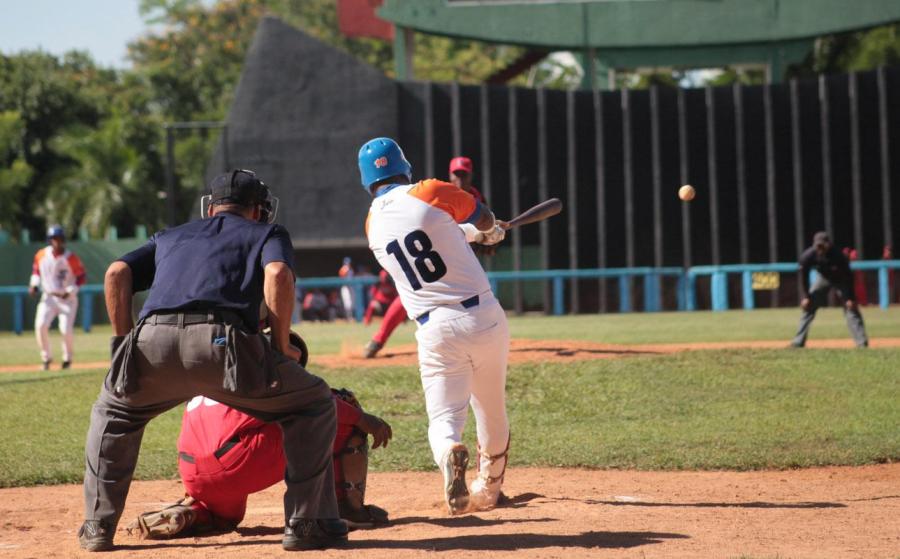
(229, 444)
(466, 304)
(186, 318)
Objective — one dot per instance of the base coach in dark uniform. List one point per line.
(198, 334)
(833, 273)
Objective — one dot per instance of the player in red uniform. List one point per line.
(224, 455)
(381, 296)
(460, 175)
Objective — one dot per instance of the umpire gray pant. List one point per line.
(818, 297)
(164, 362)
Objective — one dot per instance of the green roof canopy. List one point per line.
(632, 33)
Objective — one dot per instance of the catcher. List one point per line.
(225, 455)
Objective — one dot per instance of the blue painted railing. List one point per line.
(686, 290)
(85, 304)
(651, 277)
(718, 284)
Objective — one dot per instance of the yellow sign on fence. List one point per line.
(766, 281)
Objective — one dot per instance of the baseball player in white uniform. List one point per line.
(414, 231)
(58, 273)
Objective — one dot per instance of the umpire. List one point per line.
(833, 273)
(198, 334)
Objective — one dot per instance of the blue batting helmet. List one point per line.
(381, 158)
(56, 231)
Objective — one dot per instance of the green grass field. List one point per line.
(728, 409)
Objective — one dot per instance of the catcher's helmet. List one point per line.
(240, 186)
(382, 158)
(56, 230)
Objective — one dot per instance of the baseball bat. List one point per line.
(540, 212)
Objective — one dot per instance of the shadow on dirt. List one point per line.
(466, 521)
(748, 505)
(510, 542)
(481, 542)
(569, 352)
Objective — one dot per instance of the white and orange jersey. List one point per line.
(413, 230)
(57, 273)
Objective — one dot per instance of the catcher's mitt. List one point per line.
(296, 341)
(347, 396)
(170, 521)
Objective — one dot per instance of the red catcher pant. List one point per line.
(393, 317)
(221, 486)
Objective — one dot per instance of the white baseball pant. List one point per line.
(49, 308)
(462, 361)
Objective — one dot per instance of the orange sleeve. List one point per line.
(455, 201)
(36, 264)
(77, 268)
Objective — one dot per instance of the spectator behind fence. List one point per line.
(888, 254)
(346, 271)
(315, 305)
(859, 278)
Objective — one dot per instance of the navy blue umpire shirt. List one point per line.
(212, 263)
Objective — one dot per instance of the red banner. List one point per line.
(356, 18)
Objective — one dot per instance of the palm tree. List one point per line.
(105, 169)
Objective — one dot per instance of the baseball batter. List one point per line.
(58, 273)
(413, 230)
(461, 176)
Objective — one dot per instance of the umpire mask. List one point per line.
(242, 187)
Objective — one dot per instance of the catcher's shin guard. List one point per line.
(173, 520)
(354, 459)
(485, 490)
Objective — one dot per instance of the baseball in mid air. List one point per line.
(687, 193)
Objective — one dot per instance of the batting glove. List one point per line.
(494, 236)
(473, 235)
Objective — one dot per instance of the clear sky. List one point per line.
(102, 27)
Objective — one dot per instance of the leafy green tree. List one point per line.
(48, 95)
(15, 173)
(103, 173)
(862, 50)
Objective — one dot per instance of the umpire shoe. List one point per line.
(453, 466)
(94, 536)
(309, 533)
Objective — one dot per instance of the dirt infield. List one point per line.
(529, 351)
(821, 512)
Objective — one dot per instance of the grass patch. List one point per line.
(740, 410)
(686, 327)
(632, 328)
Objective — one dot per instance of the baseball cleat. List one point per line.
(484, 494)
(46, 365)
(454, 469)
(372, 348)
(93, 536)
(367, 517)
(485, 490)
(66, 364)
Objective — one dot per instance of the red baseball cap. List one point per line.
(461, 164)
